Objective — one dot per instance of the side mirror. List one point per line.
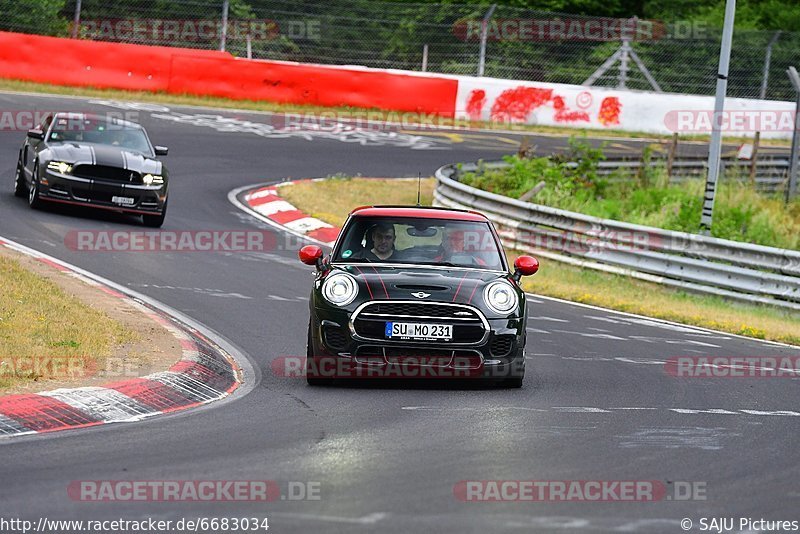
(311, 255)
(525, 266)
(161, 150)
(36, 134)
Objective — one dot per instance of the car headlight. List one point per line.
(500, 297)
(60, 167)
(149, 179)
(340, 289)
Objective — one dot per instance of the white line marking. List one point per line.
(641, 360)
(589, 334)
(370, 519)
(660, 321)
(579, 409)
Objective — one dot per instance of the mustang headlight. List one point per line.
(156, 179)
(340, 289)
(60, 167)
(500, 297)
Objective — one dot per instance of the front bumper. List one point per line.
(97, 193)
(338, 353)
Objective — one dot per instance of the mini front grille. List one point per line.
(104, 172)
(429, 310)
(406, 356)
(375, 328)
(370, 355)
(469, 327)
(456, 359)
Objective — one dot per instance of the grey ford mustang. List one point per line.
(94, 161)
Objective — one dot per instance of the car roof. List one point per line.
(419, 212)
(71, 115)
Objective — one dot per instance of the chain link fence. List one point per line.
(674, 56)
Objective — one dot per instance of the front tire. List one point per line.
(155, 221)
(516, 373)
(312, 370)
(20, 189)
(33, 191)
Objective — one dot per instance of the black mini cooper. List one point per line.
(416, 293)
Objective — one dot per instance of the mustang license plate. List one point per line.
(126, 201)
(419, 331)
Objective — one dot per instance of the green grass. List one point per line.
(45, 333)
(342, 111)
(556, 279)
(740, 213)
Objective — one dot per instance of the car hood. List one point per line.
(92, 154)
(463, 286)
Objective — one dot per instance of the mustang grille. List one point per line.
(104, 172)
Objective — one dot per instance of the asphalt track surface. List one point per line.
(596, 405)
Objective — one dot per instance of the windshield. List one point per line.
(420, 241)
(101, 132)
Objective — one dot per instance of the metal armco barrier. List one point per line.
(771, 173)
(742, 271)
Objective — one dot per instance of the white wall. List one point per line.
(575, 105)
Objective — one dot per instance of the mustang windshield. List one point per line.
(101, 132)
(420, 241)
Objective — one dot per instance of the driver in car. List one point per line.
(382, 236)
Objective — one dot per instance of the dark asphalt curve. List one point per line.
(597, 405)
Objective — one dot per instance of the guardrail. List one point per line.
(771, 174)
(741, 271)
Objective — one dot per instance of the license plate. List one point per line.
(419, 331)
(123, 200)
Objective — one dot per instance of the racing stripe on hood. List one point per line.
(108, 156)
(455, 295)
(474, 288)
(381, 280)
(366, 282)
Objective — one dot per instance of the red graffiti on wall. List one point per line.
(475, 103)
(564, 115)
(609, 111)
(514, 105)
